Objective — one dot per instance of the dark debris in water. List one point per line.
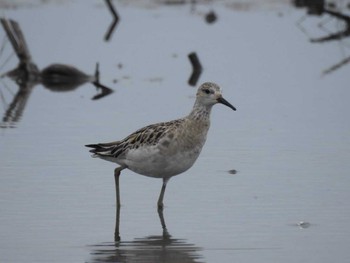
(196, 68)
(233, 171)
(211, 17)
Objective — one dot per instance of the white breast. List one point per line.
(162, 160)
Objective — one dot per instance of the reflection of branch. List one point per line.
(336, 66)
(338, 35)
(197, 69)
(114, 22)
(104, 90)
(15, 110)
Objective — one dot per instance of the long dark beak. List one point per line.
(225, 102)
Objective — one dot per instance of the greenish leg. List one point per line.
(116, 178)
(161, 196)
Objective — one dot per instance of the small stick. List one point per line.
(336, 66)
(115, 20)
(197, 69)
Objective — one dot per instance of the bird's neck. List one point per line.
(197, 125)
(200, 112)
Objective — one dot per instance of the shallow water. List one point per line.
(289, 140)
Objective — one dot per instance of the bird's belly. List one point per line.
(160, 165)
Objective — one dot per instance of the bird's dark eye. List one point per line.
(206, 91)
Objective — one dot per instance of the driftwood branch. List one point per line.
(16, 37)
(115, 19)
(197, 69)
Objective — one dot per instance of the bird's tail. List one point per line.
(102, 149)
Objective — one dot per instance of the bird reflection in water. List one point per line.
(150, 249)
(55, 77)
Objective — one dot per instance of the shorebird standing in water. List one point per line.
(164, 149)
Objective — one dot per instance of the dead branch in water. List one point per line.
(114, 22)
(197, 69)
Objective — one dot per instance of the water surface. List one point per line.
(289, 140)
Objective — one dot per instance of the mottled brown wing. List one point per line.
(149, 135)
